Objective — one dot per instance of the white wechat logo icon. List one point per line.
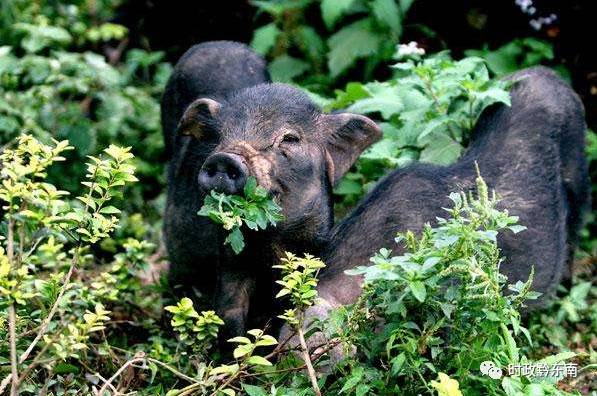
(490, 369)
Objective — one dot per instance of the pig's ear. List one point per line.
(348, 135)
(198, 117)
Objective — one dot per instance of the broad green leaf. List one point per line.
(110, 210)
(265, 38)
(418, 290)
(517, 228)
(441, 150)
(510, 343)
(332, 10)
(236, 240)
(242, 350)
(559, 357)
(397, 363)
(255, 332)
(87, 201)
(240, 340)
(353, 92)
(494, 95)
(266, 340)
(253, 390)
(311, 43)
(285, 68)
(277, 8)
(383, 98)
(258, 361)
(388, 13)
(385, 149)
(534, 390)
(405, 5)
(348, 187)
(362, 390)
(352, 42)
(355, 377)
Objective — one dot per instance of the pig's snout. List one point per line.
(223, 172)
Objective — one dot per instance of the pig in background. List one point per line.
(223, 121)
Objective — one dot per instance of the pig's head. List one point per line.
(276, 134)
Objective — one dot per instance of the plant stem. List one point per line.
(172, 370)
(280, 347)
(118, 372)
(307, 360)
(37, 360)
(438, 108)
(12, 315)
(48, 319)
(228, 381)
(12, 319)
(4, 383)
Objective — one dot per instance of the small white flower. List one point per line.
(524, 4)
(536, 23)
(410, 49)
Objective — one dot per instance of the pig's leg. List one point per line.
(234, 290)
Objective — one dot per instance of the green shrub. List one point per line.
(55, 318)
(355, 31)
(426, 319)
(441, 307)
(515, 55)
(54, 84)
(428, 111)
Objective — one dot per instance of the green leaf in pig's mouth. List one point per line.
(256, 210)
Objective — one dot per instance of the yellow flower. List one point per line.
(446, 386)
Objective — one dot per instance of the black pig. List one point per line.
(222, 124)
(211, 70)
(531, 153)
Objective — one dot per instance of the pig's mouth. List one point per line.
(227, 171)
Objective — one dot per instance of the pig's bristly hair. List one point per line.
(270, 103)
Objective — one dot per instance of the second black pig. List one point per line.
(531, 153)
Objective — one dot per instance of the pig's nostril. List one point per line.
(223, 172)
(232, 173)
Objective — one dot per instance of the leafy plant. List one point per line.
(299, 282)
(428, 111)
(36, 211)
(52, 85)
(196, 330)
(570, 322)
(355, 30)
(221, 380)
(515, 55)
(442, 307)
(256, 210)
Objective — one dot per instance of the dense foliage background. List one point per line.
(78, 293)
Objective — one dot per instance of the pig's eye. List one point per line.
(291, 138)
